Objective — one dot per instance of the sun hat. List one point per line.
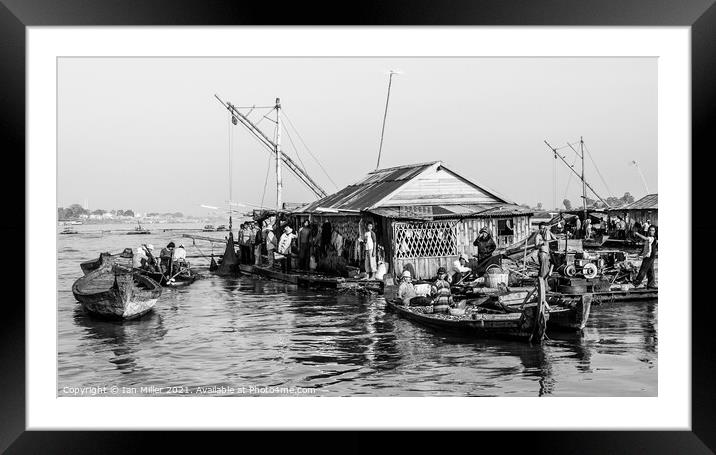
(150, 246)
(442, 271)
(287, 229)
(406, 274)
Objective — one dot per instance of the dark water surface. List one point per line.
(265, 337)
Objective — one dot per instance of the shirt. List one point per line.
(304, 235)
(271, 241)
(542, 239)
(180, 253)
(646, 249)
(369, 245)
(284, 244)
(444, 296)
(461, 268)
(406, 290)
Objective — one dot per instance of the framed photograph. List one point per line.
(436, 218)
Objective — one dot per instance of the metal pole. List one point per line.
(584, 187)
(571, 168)
(279, 183)
(385, 115)
(554, 186)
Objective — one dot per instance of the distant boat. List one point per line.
(139, 230)
(115, 291)
(221, 227)
(69, 230)
(209, 228)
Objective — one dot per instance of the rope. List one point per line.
(597, 169)
(283, 111)
(268, 169)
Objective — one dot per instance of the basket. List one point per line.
(494, 276)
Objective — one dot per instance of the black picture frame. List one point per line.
(16, 15)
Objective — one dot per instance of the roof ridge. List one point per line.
(405, 166)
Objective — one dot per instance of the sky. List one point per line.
(148, 134)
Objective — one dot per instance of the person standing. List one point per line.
(304, 246)
(166, 257)
(370, 249)
(271, 245)
(648, 255)
(258, 241)
(587, 229)
(284, 248)
(485, 245)
(542, 239)
(578, 228)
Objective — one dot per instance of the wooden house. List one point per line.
(424, 214)
(646, 208)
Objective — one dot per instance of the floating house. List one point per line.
(423, 214)
(646, 208)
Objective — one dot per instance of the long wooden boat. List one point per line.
(124, 258)
(522, 325)
(178, 280)
(115, 291)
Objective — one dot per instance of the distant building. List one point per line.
(646, 208)
(423, 214)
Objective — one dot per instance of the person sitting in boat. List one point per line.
(406, 290)
(180, 258)
(144, 259)
(443, 295)
(462, 271)
(165, 258)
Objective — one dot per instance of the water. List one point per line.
(224, 333)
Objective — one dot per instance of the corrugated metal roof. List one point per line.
(455, 211)
(648, 202)
(370, 190)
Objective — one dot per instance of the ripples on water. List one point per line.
(236, 332)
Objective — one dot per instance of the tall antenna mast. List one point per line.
(571, 168)
(279, 182)
(643, 180)
(385, 115)
(584, 186)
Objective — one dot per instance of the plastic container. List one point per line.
(494, 276)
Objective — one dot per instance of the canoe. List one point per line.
(567, 312)
(522, 325)
(116, 292)
(182, 279)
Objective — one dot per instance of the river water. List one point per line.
(248, 336)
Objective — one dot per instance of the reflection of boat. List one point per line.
(113, 290)
(209, 228)
(522, 324)
(139, 230)
(69, 230)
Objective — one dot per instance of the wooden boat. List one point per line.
(181, 279)
(221, 227)
(124, 258)
(566, 312)
(208, 228)
(69, 230)
(115, 291)
(523, 324)
(139, 230)
(230, 261)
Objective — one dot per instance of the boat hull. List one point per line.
(116, 292)
(519, 325)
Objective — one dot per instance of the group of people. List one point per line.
(437, 293)
(464, 268)
(647, 255)
(305, 245)
(171, 261)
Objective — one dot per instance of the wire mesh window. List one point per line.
(423, 240)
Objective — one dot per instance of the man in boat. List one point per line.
(165, 258)
(370, 251)
(542, 239)
(258, 242)
(648, 255)
(284, 248)
(144, 259)
(304, 245)
(180, 258)
(587, 229)
(485, 247)
(462, 270)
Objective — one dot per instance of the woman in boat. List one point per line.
(443, 295)
(406, 290)
(284, 248)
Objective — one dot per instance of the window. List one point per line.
(505, 228)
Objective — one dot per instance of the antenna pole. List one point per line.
(385, 116)
(643, 180)
(554, 185)
(279, 183)
(571, 168)
(584, 186)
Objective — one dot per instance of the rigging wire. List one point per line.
(283, 111)
(268, 169)
(599, 173)
(290, 139)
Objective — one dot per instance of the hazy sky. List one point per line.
(147, 133)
